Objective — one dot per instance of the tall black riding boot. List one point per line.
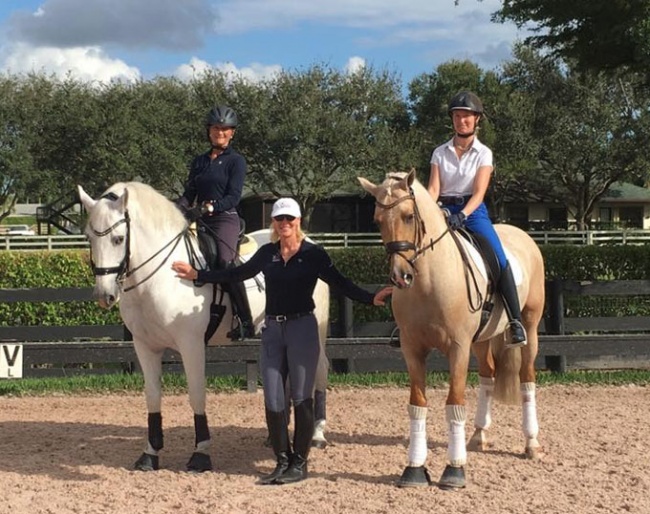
(303, 433)
(279, 437)
(508, 291)
(241, 309)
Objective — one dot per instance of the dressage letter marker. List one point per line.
(11, 361)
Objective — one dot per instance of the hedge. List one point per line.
(364, 265)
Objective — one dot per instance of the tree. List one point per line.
(309, 134)
(589, 128)
(599, 35)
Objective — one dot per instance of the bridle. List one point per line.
(399, 247)
(122, 270)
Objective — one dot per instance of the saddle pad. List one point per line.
(480, 264)
(248, 246)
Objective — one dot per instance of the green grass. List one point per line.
(176, 383)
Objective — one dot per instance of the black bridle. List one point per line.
(399, 247)
(122, 270)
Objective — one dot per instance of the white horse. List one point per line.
(135, 234)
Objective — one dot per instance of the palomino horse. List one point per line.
(135, 234)
(437, 304)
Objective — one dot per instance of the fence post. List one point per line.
(555, 324)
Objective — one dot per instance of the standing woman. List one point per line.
(290, 343)
(216, 181)
(460, 175)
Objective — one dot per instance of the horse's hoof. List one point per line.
(147, 462)
(534, 453)
(199, 462)
(478, 442)
(414, 476)
(319, 444)
(452, 478)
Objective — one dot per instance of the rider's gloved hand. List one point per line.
(456, 221)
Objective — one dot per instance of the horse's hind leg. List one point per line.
(530, 424)
(320, 396)
(194, 363)
(483, 419)
(151, 364)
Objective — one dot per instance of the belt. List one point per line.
(454, 200)
(280, 318)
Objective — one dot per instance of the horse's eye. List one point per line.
(409, 218)
(118, 240)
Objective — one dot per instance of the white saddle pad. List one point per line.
(515, 265)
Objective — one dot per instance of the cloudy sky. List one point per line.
(103, 40)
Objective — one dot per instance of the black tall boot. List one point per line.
(303, 433)
(241, 309)
(508, 291)
(279, 437)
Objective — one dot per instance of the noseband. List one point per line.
(399, 247)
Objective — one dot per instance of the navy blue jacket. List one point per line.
(219, 180)
(290, 285)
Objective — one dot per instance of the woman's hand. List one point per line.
(380, 296)
(184, 270)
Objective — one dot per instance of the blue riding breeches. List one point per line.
(290, 349)
(479, 222)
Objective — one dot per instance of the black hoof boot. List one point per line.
(414, 476)
(199, 462)
(147, 462)
(452, 478)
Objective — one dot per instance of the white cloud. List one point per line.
(86, 64)
(355, 64)
(256, 72)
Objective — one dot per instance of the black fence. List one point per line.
(565, 342)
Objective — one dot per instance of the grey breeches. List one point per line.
(289, 349)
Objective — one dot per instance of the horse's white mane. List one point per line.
(145, 203)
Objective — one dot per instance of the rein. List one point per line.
(122, 270)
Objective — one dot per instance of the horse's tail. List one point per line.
(507, 366)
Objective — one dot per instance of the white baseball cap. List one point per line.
(286, 206)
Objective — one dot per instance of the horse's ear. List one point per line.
(410, 178)
(125, 198)
(367, 185)
(85, 199)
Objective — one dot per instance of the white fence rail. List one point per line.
(338, 240)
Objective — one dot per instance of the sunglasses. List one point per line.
(284, 217)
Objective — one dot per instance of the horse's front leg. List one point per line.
(151, 364)
(453, 477)
(416, 474)
(193, 355)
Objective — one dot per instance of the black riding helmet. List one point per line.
(466, 101)
(223, 116)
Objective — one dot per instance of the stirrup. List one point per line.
(516, 342)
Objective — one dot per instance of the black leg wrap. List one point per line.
(201, 430)
(155, 435)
